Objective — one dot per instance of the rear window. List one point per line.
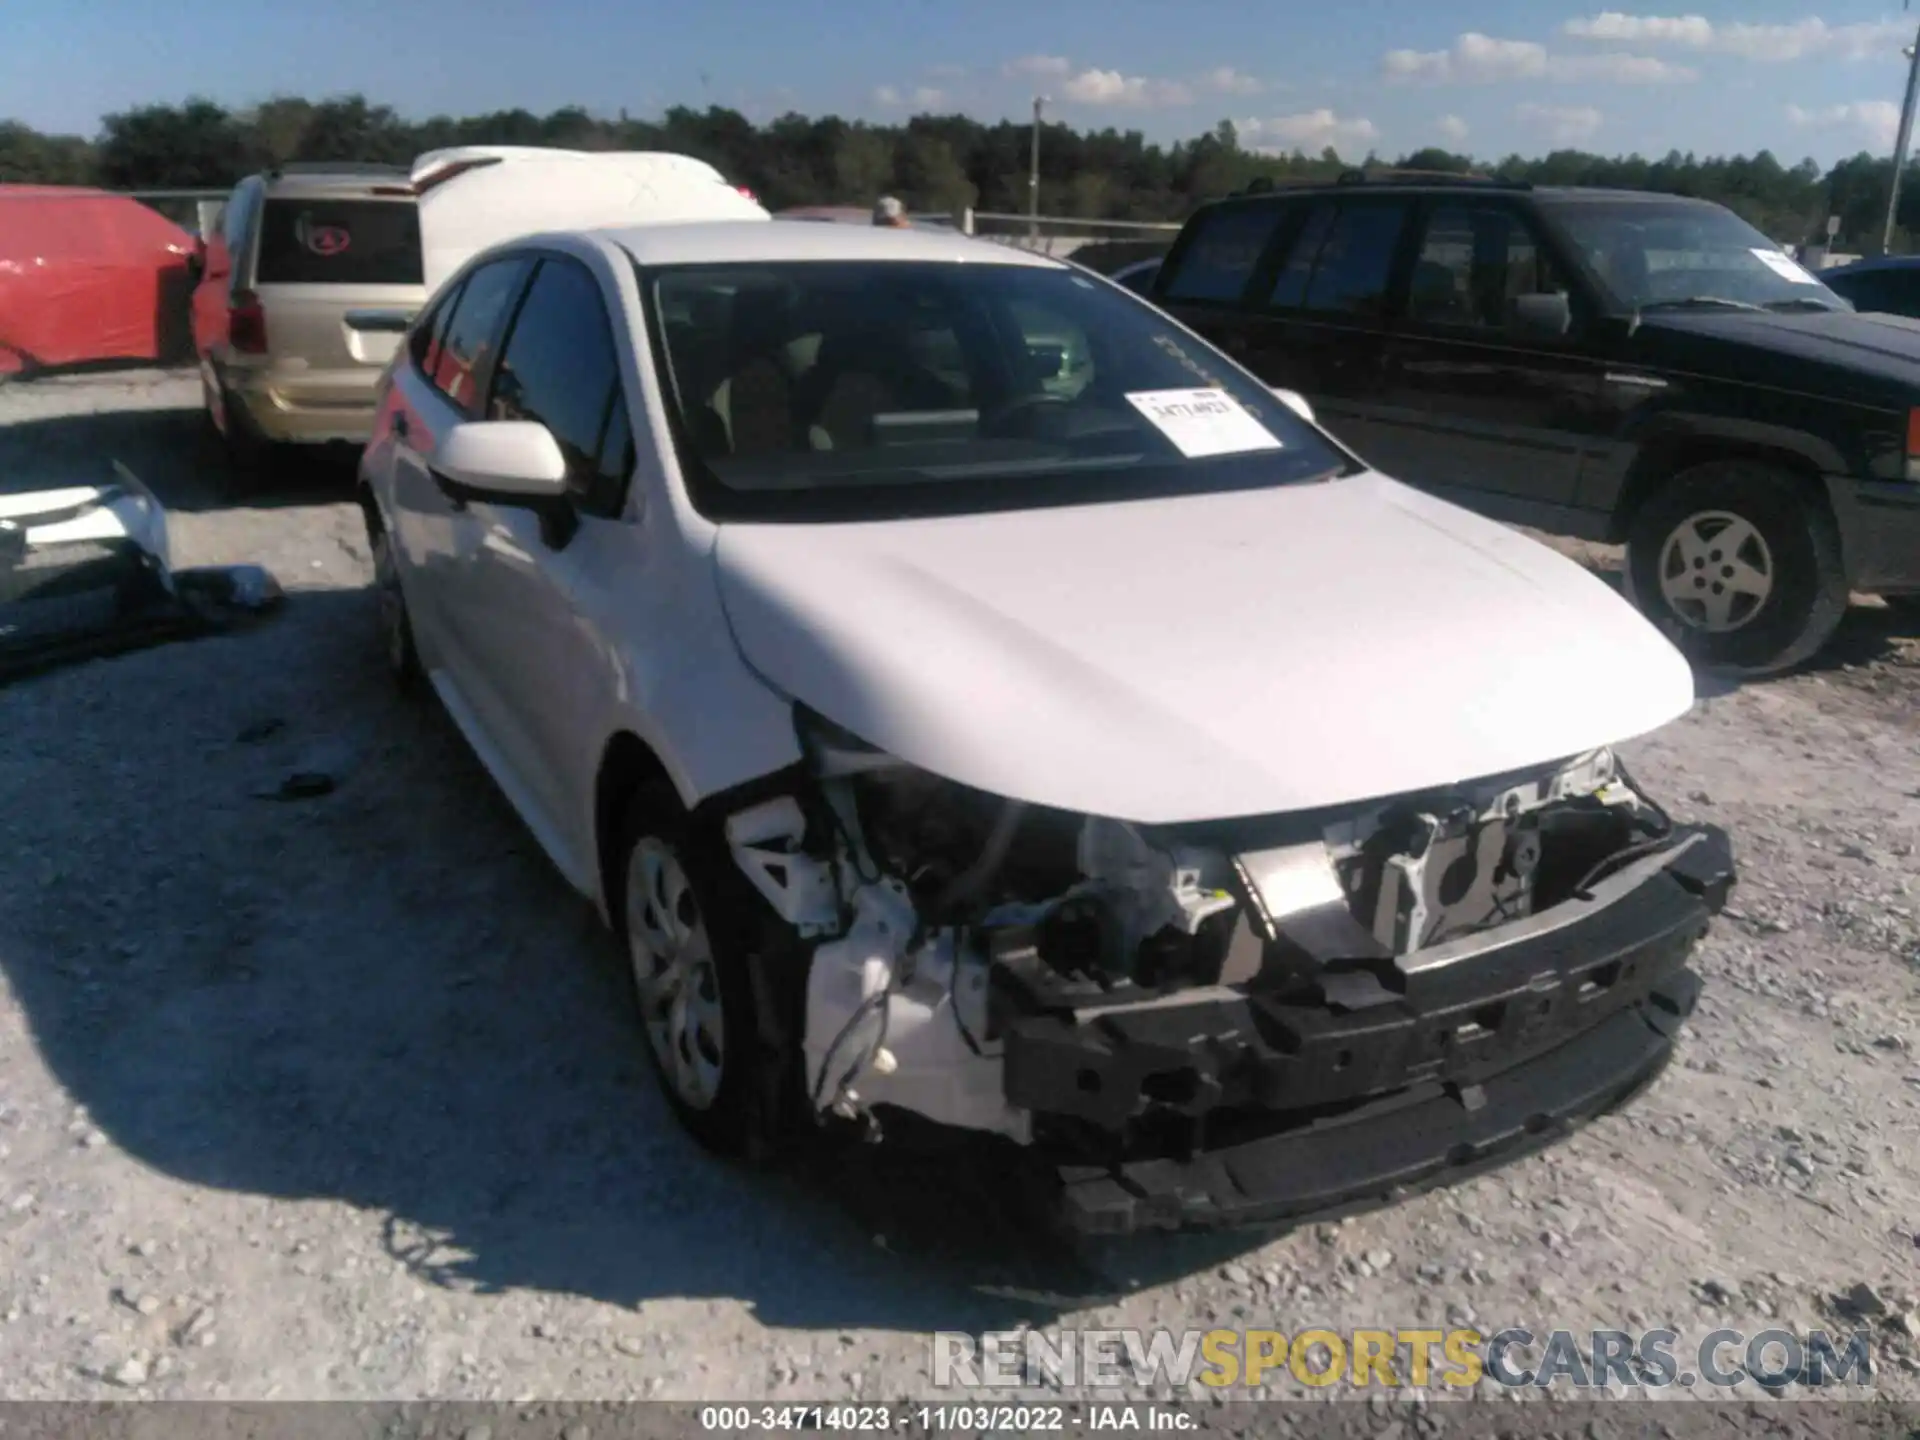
(1220, 251)
(340, 242)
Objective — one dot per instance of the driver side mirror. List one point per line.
(515, 461)
(508, 462)
(1543, 315)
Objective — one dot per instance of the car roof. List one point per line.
(732, 242)
(1465, 186)
(333, 185)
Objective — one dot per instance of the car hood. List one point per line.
(1203, 657)
(1787, 350)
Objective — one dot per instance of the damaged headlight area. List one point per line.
(1125, 995)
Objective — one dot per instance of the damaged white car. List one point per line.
(973, 697)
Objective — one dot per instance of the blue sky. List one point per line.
(1488, 76)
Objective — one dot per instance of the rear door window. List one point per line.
(340, 242)
(1290, 286)
(1221, 252)
(1355, 264)
(430, 334)
(462, 361)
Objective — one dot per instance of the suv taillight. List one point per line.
(748, 193)
(247, 324)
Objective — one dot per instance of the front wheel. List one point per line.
(1739, 565)
(689, 934)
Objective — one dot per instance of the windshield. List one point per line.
(1650, 253)
(862, 390)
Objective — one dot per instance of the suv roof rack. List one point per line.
(346, 168)
(1429, 177)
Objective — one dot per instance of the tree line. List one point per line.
(934, 162)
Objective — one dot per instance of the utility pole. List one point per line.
(1905, 141)
(1033, 171)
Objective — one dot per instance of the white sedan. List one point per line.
(970, 695)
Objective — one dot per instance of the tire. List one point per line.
(1781, 588)
(396, 625)
(718, 1070)
(245, 453)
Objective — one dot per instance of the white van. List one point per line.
(312, 274)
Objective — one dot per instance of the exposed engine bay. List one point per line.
(946, 923)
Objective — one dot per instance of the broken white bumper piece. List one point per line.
(87, 570)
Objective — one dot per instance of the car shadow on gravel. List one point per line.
(171, 451)
(370, 987)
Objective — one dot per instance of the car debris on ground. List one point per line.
(86, 570)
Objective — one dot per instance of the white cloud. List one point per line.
(1620, 69)
(1110, 87)
(1228, 81)
(1312, 131)
(921, 98)
(1693, 30)
(1452, 128)
(1564, 124)
(1876, 121)
(1037, 67)
(1799, 40)
(1476, 59)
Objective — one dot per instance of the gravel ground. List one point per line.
(342, 1098)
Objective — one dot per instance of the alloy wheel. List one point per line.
(671, 951)
(1716, 572)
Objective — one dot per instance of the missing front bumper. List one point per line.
(1236, 1106)
(1436, 1134)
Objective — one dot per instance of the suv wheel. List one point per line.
(687, 925)
(243, 452)
(1739, 566)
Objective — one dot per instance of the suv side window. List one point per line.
(561, 368)
(1222, 248)
(1290, 286)
(484, 301)
(1355, 264)
(1475, 261)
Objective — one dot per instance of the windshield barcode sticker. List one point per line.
(1783, 266)
(1203, 422)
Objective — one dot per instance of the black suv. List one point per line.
(1606, 364)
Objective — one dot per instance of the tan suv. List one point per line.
(306, 285)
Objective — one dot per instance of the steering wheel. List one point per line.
(1020, 405)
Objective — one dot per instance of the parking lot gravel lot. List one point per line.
(342, 1097)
